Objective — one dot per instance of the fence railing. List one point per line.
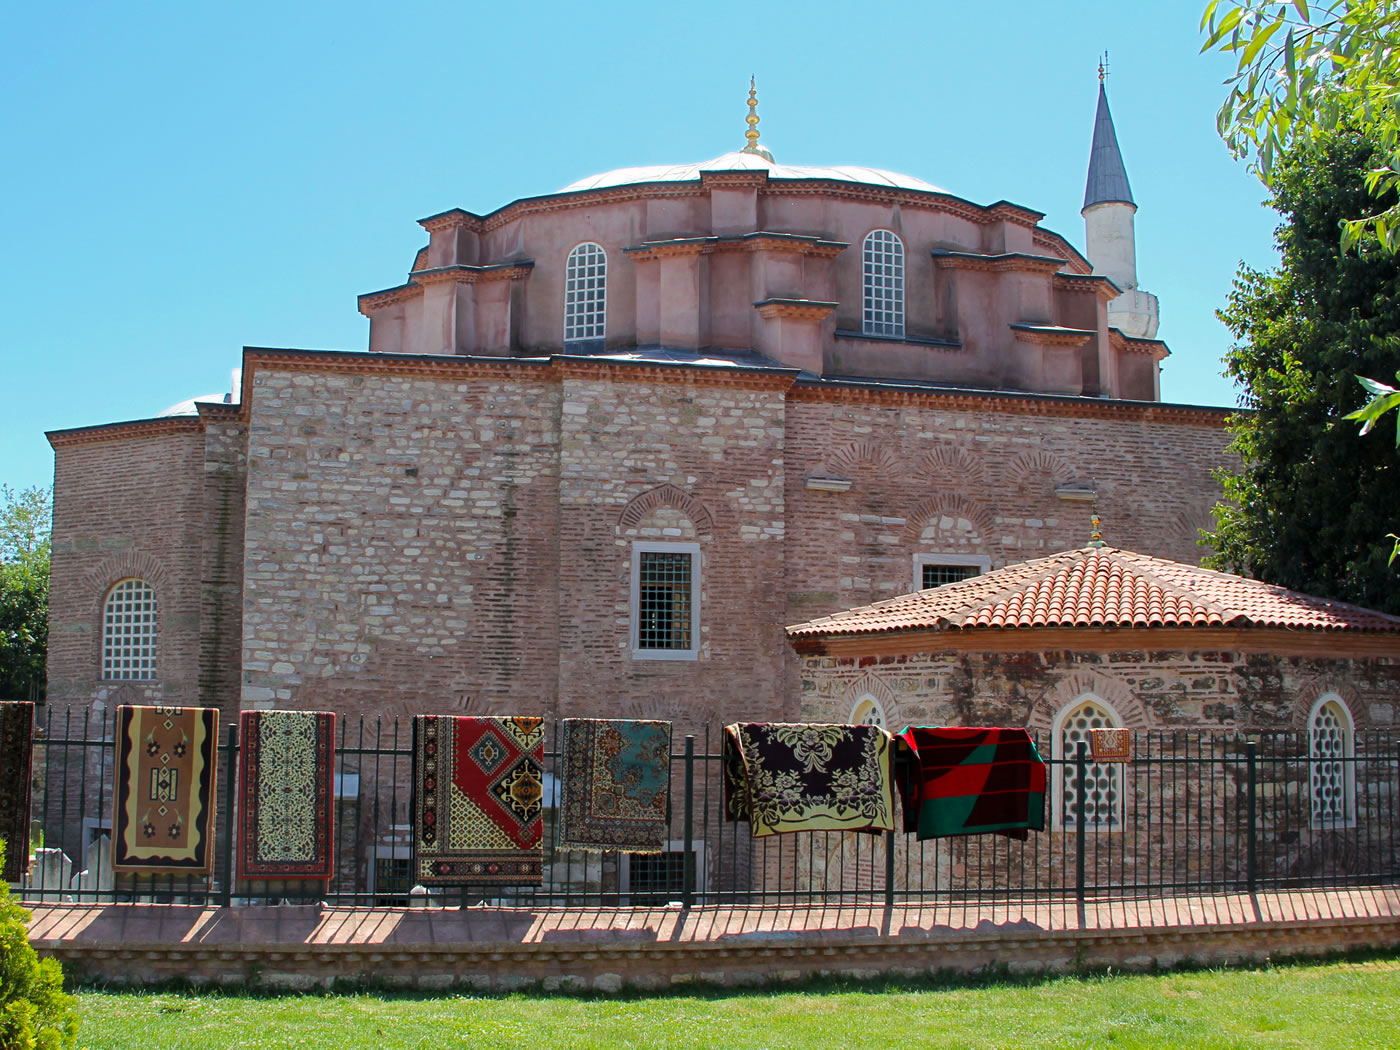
(1193, 811)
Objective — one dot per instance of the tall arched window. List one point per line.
(585, 297)
(129, 631)
(1331, 754)
(1103, 791)
(883, 286)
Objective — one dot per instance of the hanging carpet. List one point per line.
(477, 793)
(16, 780)
(969, 781)
(784, 777)
(285, 785)
(615, 777)
(163, 796)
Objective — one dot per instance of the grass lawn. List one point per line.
(1340, 1004)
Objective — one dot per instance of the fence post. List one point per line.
(1251, 753)
(1081, 816)
(688, 832)
(229, 799)
(889, 869)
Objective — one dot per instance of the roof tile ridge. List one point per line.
(1045, 569)
(1144, 566)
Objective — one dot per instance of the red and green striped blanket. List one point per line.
(970, 781)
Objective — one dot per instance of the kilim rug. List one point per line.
(478, 789)
(615, 778)
(16, 772)
(163, 795)
(808, 777)
(1110, 745)
(970, 781)
(286, 767)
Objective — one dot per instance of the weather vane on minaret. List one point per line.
(1103, 67)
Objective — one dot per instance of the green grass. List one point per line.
(1339, 1004)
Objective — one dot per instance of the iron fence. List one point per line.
(1192, 812)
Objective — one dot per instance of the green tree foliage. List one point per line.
(1306, 71)
(1315, 499)
(25, 521)
(35, 1014)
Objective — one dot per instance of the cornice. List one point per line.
(1014, 261)
(779, 379)
(795, 309)
(1008, 402)
(1134, 345)
(1275, 640)
(452, 219)
(374, 300)
(1052, 335)
(132, 428)
(1057, 245)
(462, 274)
(732, 179)
(1100, 285)
(676, 247)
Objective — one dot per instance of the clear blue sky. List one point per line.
(184, 179)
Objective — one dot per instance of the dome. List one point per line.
(186, 407)
(741, 161)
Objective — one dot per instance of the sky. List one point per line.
(182, 180)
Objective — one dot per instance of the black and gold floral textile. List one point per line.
(808, 777)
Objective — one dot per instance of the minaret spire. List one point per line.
(1108, 179)
(752, 120)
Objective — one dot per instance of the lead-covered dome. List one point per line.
(741, 160)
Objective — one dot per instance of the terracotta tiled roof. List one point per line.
(1101, 587)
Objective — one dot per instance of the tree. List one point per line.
(35, 1013)
(1314, 501)
(25, 521)
(1306, 72)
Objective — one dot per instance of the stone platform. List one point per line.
(498, 949)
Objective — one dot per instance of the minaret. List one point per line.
(1108, 227)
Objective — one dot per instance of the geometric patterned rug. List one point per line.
(163, 795)
(285, 780)
(477, 794)
(615, 778)
(16, 771)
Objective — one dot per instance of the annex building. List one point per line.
(605, 443)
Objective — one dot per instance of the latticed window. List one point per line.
(1103, 782)
(883, 295)
(656, 879)
(938, 575)
(868, 712)
(585, 294)
(1329, 772)
(129, 631)
(664, 601)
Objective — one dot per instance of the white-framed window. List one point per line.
(657, 879)
(585, 295)
(665, 601)
(867, 711)
(1103, 781)
(882, 295)
(934, 570)
(1331, 763)
(129, 631)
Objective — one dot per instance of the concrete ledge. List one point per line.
(299, 947)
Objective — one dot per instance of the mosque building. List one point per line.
(605, 443)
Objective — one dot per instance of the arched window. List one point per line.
(1331, 766)
(129, 631)
(1103, 793)
(883, 285)
(585, 297)
(868, 712)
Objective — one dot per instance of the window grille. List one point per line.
(868, 712)
(1329, 746)
(585, 294)
(656, 879)
(1103, 796)
(938, 575)
(129, 632)
(393, 878)
(664, 600)
(883, 261)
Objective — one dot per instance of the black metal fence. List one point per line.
(1192, 812)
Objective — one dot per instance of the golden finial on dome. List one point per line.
(752, 121)
(1095, 528)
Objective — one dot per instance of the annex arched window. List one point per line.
(1103, 781)
(1331, 765)
(585, 297)
(129, 631)
(868, 712)
(882, 296)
